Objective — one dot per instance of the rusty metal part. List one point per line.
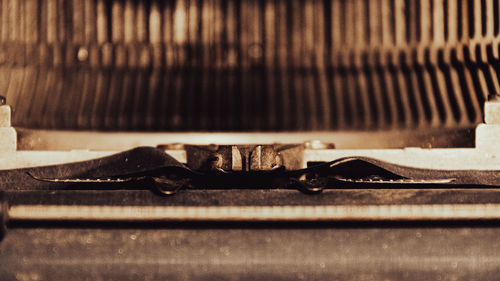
(228, 158)
(264, 158)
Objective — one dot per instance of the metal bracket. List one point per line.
(8, 135)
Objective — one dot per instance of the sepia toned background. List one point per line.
(226, 65)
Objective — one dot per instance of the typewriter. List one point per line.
(249, 139)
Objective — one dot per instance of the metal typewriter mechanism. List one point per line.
(265, 166)
(311, 167)
(273, 140)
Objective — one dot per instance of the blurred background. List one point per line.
(252, 65)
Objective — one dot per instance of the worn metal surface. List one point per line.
(246, 157)
(289, 252)
(249, 251)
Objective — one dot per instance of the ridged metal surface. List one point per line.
(248, 65)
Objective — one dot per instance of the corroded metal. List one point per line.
(244, 157)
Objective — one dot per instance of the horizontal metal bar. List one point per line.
(446, 158)
(258, 213)
(91, 140)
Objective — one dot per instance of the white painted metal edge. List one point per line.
(446, 158)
